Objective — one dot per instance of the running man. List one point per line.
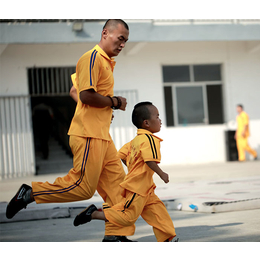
(95, 164)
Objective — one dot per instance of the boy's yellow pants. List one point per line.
(95, 167)
(150, 207)
(242, 147)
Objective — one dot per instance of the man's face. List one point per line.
(154, 121)
(116, 39)
(239, 109)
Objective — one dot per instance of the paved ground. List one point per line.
(193, 184)
(239, 226)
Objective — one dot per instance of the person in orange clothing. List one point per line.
(141, 156)
(242, 134)
(95, 164)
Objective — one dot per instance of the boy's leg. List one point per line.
(109, 189)
(124, 214)
(156, 215)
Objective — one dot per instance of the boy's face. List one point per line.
(154, 123)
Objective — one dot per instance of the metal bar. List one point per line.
(8, 137)
(4, 160)
(57, 80)
(30, 147)
(19, 147)
(52, 81)
(14, 154)
(42, 80)
(37, 82)
(48, 81)
(62, 87)
(23, 129)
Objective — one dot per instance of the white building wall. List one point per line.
(142, 71)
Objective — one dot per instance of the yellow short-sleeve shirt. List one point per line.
(242, 121)
(143, 148)
(94, 71)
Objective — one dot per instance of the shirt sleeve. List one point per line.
(150, 149)
(245, 119)
(74, 82)
(123, 152)
(88, 71)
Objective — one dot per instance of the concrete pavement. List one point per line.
(208, 188)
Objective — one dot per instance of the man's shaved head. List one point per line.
(111, 24)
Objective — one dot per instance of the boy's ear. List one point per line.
(146, 123)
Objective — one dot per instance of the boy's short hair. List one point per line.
(141, 113)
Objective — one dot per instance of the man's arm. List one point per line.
(73, 93)
(163, 175)
(244, 130)
(92, 98)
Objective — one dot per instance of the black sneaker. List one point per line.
(111, 239)
(116, 239)
(173, 240)
(85, 215)
(17, 202)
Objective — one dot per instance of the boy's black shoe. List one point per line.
(125, 239)
(116, 239)
(17, 202)
(84, 216)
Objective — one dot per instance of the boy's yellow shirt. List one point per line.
(94, 71)
(143, 148)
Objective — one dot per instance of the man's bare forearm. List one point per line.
(92, 98)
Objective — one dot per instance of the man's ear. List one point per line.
(105, 33)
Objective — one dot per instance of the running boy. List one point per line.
(141, 156)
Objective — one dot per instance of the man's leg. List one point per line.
(241, 148)
(249, 149)
(81, 181)
(156, 215)
(108, 187)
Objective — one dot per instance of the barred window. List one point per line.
(193, 94)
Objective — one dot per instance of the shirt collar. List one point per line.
(144, 131)
(103, 53)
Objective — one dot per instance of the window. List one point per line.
(50, 80)
(193, 95)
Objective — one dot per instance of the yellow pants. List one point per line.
(242, 147)
(150, 207)
(95, 167)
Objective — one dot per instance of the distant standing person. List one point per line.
(242, 134)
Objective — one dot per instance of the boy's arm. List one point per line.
(163, 175)
(123, 152)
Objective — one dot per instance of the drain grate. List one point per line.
(215, 203)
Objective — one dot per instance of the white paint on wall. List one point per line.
(143, 71)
